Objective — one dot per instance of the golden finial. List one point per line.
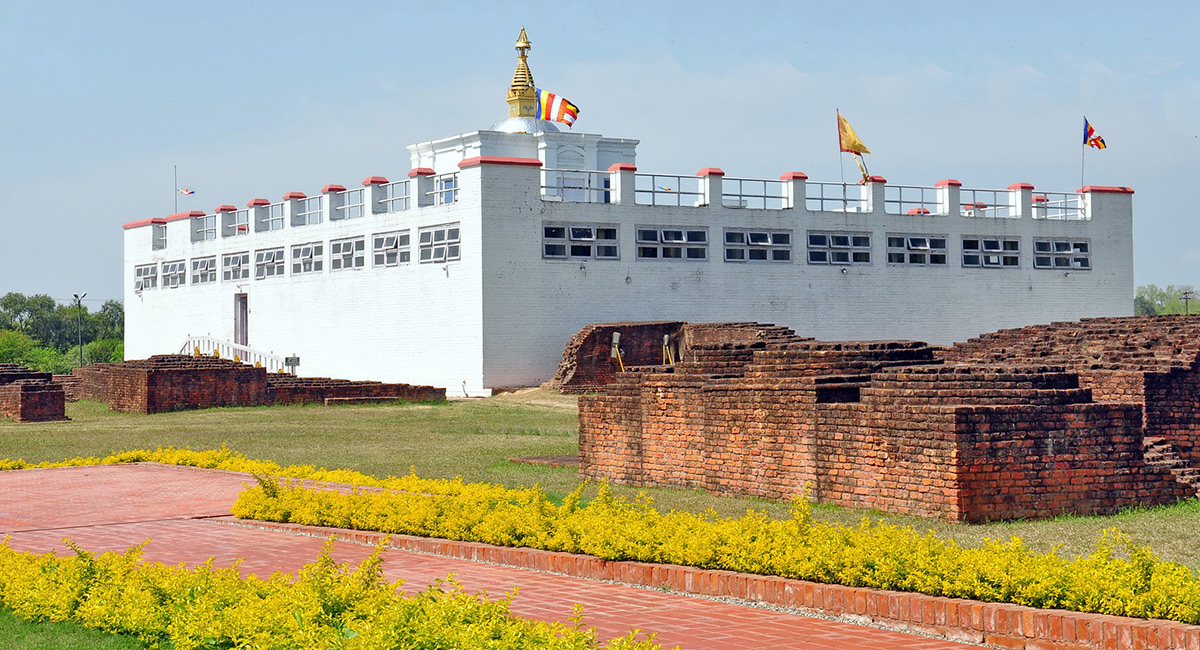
(522, 97)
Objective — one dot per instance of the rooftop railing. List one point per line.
(834, 197)
(576, 186)
(663, 189)
(754, 194)
(911, 200)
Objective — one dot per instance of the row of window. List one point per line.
(599, 241)
(350, 204)
(434, 244)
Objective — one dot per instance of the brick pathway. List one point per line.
(108, 508)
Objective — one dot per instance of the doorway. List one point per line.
(241, 311)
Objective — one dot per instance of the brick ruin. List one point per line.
(30, 396)
(1084, 417)
(171, 382)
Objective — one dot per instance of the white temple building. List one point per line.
(474, 269)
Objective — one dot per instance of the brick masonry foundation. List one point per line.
(178, 382)
(30, 396)
(1085, 418)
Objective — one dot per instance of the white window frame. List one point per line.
(236, 223)
(391, 248)
(991, 252)
(353, 204)
(235, 266)
(174, 274)
(757, 245)
(838, 248)
(340, 261)
(204, 270)
(158, 236)
(308, 212)
(206, 227)
(917, 249)
(145, 277)
(273, 217)
(580, 241)
(672, 243)
(308, 257)
(440, 243)
(269, 263)
(1062, 253)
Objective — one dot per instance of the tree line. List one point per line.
(39, 332)
(1150, 300)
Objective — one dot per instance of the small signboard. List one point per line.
(291, 362)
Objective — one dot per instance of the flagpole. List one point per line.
(1082, 153)
(176, 189)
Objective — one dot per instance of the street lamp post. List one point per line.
(1187, 297)
(79, 322)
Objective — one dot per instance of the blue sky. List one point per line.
(98, 102)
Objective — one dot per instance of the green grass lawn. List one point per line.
(18, 634)
(474, 439)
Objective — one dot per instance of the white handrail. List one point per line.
(229, 350)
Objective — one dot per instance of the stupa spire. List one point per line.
(522, 97)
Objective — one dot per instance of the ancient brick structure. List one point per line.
(29, 396)
(178, 382)
(1083, 417)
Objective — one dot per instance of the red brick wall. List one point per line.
(876, 424)
(28, 395)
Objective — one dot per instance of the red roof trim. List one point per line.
(794, 176)
(421, 171)
(499, 160)
(874, 179)
(143, 222)
(225, 208)
(374, 180)
(711, 171)
(254, 203)
(1104, 189)
(918, 211)
(1020, 186)
(333, 188)
(294, 195)
(622, 167)
(948, 182)
(184, 215)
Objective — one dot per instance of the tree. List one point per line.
(16, 347)
(1151, 300)
(109, 322)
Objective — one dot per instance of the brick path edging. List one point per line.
(969, 621)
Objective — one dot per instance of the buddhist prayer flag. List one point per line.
(1090, 138)
(848, 139)
(555, 108)
(187, 191)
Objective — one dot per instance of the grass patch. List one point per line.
(474, 438)
(17, 633)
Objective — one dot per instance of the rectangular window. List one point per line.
(307, 258)
(580, 241)
(235, 266)
(445, 189)
(268, 263)
(673, 243)
(174, 274)
(353, 204)
(1062, 254)
(839, 248)
(439, 244)
(145, 277)
(273, 219)
(758, 246)
(916, 250)
(204, 270)
(991, 252)
(159, 235)
(390, 248)
(206, 227)
(235, 223)
(309, 212)
(347, 253)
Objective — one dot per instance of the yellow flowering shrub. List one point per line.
(327, 606)
(1119, 577)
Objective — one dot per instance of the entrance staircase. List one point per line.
(1161, 452)
(207, 345)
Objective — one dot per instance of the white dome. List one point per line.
(525, 125)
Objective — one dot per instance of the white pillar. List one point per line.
(624, 183)
(710, 186)
(948, 197)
